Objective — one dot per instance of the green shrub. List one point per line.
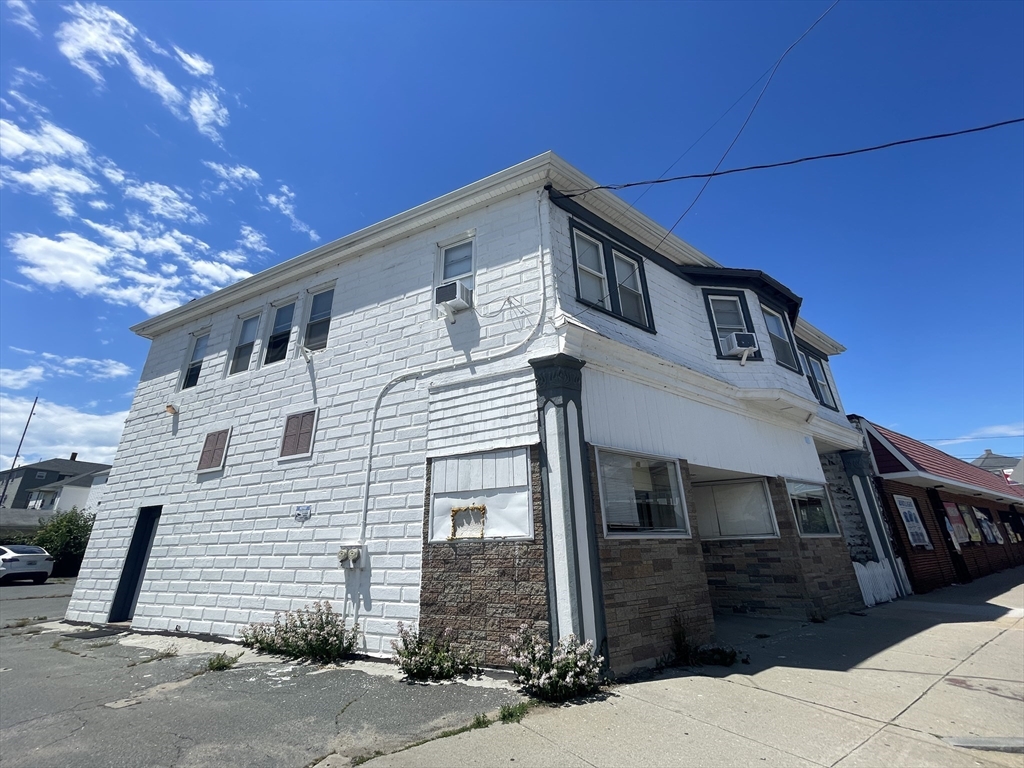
(568, 670)
(513, 713)
(221, 662)
(65, 536)
(430, 657)
(315, 633)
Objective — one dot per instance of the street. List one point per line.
(896, 685)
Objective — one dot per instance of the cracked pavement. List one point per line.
(118, 701)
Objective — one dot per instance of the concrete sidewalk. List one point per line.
(878, 689)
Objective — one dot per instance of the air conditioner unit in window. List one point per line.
(740, 343)
(453, 297)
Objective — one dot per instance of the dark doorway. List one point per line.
(134, 570)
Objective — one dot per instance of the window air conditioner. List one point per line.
(455, 296)
(738, 343)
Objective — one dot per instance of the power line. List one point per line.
(797, 161)
(746, 120)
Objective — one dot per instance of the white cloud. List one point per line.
(95, 370)
(233, 176)
(213, 275)
(98, 37)
(21, 15)
(57, 431)
(21, 378)
(165, 202)
(194, 63)
(152, 241)
(47, 142)
(208, 113)
(253, 240)
(99, 205)
(1015, 429)
(90, 269)
(53, 181)
(285, 203)
(48, 365)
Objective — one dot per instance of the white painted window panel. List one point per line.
(496, 479)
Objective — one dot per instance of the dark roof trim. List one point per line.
(811, 349)
(770, 290)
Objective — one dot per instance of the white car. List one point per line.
(25, 561)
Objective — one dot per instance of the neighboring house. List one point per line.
(950, 521)
(16, 485)
(598, 430)
(1000, 466)
(1017, 475)
(72, 492)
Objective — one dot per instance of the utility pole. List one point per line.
(17, 453)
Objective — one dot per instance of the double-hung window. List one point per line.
(457, 262)
(782, 339)
(319, 320)
(815, 370)
(195, 362)
(641, 495)
(242, 355)
(610, 278)
(728, 313)
(813, 510)
(280, 333)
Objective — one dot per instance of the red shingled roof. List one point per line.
(935, 462)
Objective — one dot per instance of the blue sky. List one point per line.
(152, 152)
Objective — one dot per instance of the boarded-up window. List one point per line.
(298, 434)
(214, 447)
(481, 496)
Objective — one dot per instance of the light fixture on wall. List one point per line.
(171, 409)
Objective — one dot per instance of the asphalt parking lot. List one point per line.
(125, 699)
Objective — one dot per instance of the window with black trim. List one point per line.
(610, 278)
(728, 313)
(242, 355)
(280, 333)
(214, 449)
(782, 338)
(195, 361)
(319, 320)
(298, 434)
(814, 367)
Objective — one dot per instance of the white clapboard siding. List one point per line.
(496, 412)
(621, 413)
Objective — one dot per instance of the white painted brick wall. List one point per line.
(227, 550)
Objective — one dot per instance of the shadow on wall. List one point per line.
(849, 640)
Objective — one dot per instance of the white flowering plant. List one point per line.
(315, 633)
(431, 657)
(567, 670)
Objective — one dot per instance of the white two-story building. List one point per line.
(510, 404)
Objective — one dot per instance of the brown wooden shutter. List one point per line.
(305, 439)
(213, 450)
(221, 444)
(291, 435)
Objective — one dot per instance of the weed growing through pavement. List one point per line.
(513, 713)
(315, 632)
(425, 656)
(221, 662)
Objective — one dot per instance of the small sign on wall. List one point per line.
(303, 512)
(957, 521)
(912, 521)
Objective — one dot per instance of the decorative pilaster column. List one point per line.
(574, 572)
